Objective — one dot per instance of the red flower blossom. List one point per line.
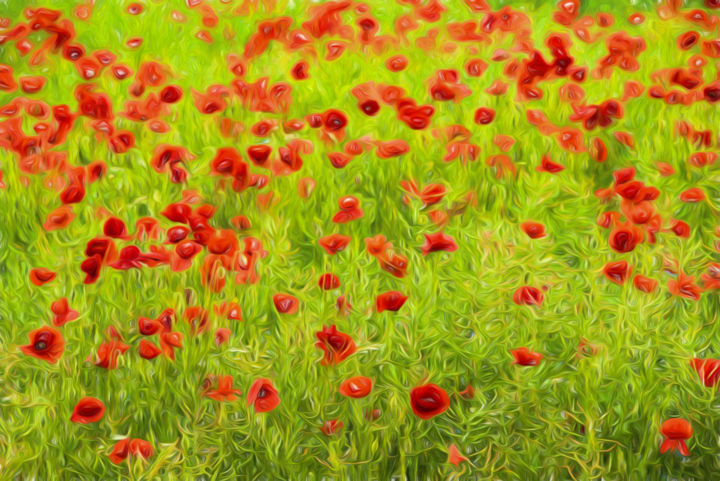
(428, 401)
(349, 210)
(331, 427)
(120, 451)
(263, 396)
(335, 344)
(625, 237)
(534, 230)
(46, 343)
(88, 410)
(708, 370)
(141, 448)
(148, 350)
(528, 296)
(328, 281)
(390, 301)
(224, 391)
(40, 276)
(334, 243)
(438, 242)
(645, 284)
(62, 312)
(454, 456)
(169, 341)
(109, 352)
(675, 432)
(285, 303)
(685, 287)
(617, 272)
(525, 357)
(356, 387)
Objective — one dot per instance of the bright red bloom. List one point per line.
(222, 335)
(285, 303)
(625, 237)
(428, 401)
(549, 166)
(617, 272)
(88, 410)
(141, 448)
(120, 451)
(528, 296)
(331, 427)
(534, 230)
(675, 431)
(645, 284)
(263, 396)
(46, 343)
(59, 218)
(685, 287)
(525, 357)
(356, 387)
(109, 352)
(390, 301)
(438, 242)
(169, 341)
(454, 456)
(62, 312)
(708, 370)
(148, 350)
(336, 345)
(40, 276)
(334, 243)
(224, 391)
(328, 281)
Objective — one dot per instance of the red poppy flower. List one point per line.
(534, 230)
(525, 357)
(263, 396)
(109, 352)
(454, 456)
(356, 387)
(438, 242)
(428, 401)
(675, 431)
(115, 228)
(549, 166)
(335, 344)
(91, 267)
(349, 210)
(528, 296)
(645, 284)
(224, 391)
(120, 451)
(685, 287)
(692, 195)
(484, 116)
(390, 301)
(148, 350)
(169, 341)
(680, 228)
(46, 343)
(40, 276)
(88, 410)
(625, 237)
(708, 370)
(285, 303)
(59, 218)
(617, 272)
(330, 428)
(141, 448)
(334, 243)
(468, 392)
(328, 281)
(62, 312)
(222, 335)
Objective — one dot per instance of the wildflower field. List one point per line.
(346, 240)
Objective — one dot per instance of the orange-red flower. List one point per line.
(684, 286)
(675, 431)
(334, 243)
(263, 396)
(62, 312)
(109, 352)
(429, 400)
(708, 370)
(331, 427)
(525, 357)
(224, 390)
(356, 387)
(148, 350)
(336, 345)
(390, 301)
(528, 296)
(40, 276)
(617, 272)
(88, 410)
(454, 456)
(438, 242)
(46, 343)
(285, 303)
